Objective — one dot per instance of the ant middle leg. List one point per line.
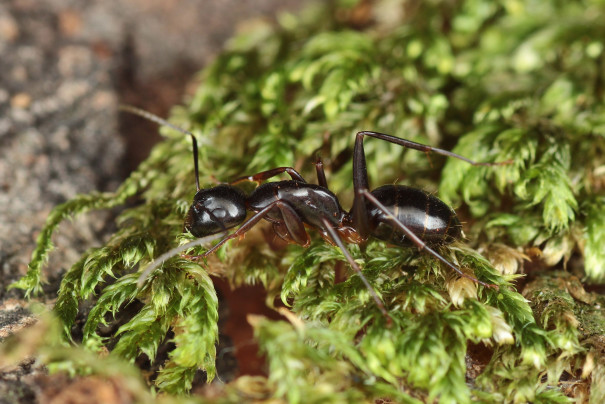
(337, 241)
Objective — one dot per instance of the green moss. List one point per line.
(519, 81)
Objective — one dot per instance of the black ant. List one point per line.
(398, 214)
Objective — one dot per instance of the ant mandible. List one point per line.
(398, 214)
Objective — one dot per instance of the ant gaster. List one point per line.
(398, 214)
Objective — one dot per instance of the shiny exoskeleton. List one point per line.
(425, 215)
(222, 207)
(397, 214)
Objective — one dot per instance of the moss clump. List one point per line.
(510, 81)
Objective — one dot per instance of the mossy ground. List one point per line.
(520, 81)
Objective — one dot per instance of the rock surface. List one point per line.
(65, 66)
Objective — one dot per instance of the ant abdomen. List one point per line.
(425, 215)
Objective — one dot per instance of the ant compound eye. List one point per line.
(215, 210)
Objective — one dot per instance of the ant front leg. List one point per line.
(291, 222)
(417, 241)
(171, 253)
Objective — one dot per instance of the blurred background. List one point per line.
(65, 66)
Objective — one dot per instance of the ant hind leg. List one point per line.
(417, 241)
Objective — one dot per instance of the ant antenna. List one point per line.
(154, 118)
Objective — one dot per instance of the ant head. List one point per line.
(215, 210)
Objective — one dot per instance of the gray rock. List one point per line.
(65, 66)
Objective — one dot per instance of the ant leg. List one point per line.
(264, 175)
(360, 173)
(359, 210)
(294, 225)
(419, 243)
(291, 223)
(171, 253)
(356, 268)
(419, 146)
(321, 175)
